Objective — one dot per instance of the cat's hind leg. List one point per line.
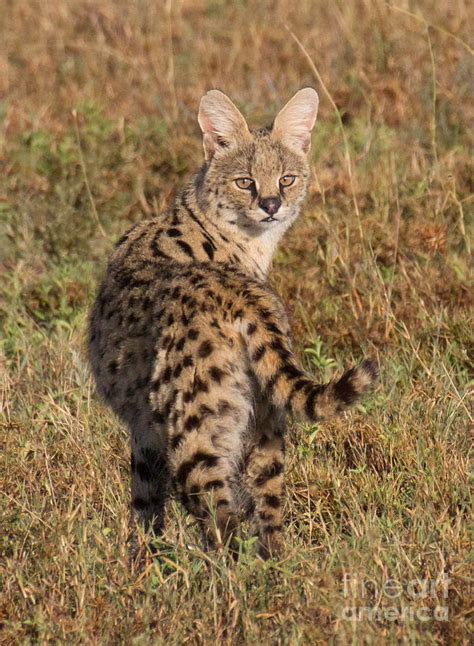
(150, 477)
(207, 429)
(264, 478)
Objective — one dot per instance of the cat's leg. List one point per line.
(264, 477)
(150, 476)
(206, 489)
(208, 424)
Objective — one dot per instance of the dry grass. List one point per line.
(379, 262)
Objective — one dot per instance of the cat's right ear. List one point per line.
(221, 123)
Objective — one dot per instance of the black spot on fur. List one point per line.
(273, 379)
(180, 344)
(344, 389)
(265, 516)
(259, 353)
(121, 240)
(272, 501)
(132, 319)
(200, 386)
(186, 248)
(277, 344)
(192, 422)
(251, 329)
(176, 441)
(275, 469)
(291, 371)
(200, 458)
(158, 417)
(208, 249)
(144, 471)
(370, 367)
(310, 401)
(272, 327)
(205, 349)
(188, 361)
(214, 484)
(167, 342)
(156, 251)
(299, 385)
(263, 441)
(168, 405)
(216, 374)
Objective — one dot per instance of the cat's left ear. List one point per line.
(294, 122)
(221, 123)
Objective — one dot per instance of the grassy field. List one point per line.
(98, 105)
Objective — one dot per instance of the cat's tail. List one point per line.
(288, 386)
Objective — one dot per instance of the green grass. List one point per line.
(381, 494)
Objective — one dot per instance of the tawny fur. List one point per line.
(190, 345)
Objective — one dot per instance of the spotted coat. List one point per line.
(191, 348)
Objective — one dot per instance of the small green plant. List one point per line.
(317, 354)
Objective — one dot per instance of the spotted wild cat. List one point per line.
(190, 345)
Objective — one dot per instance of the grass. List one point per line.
(97, 130)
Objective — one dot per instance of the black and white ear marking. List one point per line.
(294, 122)
(221, 123)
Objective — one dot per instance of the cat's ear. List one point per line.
(221, 123)
(294, 122)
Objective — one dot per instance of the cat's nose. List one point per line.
(270, 204)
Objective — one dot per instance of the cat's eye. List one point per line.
(245, 182)
(287, 180)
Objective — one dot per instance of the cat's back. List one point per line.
(163, 280)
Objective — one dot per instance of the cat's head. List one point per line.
(257, 178)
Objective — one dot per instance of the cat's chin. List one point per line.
(257, 222)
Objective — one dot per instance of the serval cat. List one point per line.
(191, 346)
